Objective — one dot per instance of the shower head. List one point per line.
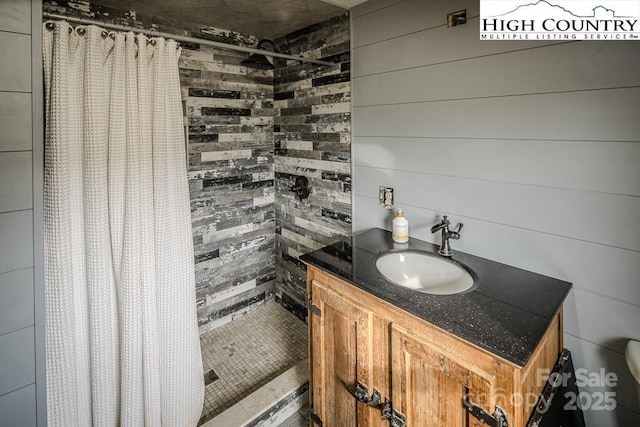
(259, 61)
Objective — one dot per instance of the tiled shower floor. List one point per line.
(247, 353)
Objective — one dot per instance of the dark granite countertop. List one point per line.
(507, 312)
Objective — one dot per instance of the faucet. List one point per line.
(445, 248)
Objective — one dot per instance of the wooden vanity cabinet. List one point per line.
(341, 355)
(421, 373)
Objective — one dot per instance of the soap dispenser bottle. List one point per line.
(400, 229)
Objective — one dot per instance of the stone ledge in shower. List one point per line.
(271, 404)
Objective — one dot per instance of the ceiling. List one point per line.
(346, 3)
(262, 18)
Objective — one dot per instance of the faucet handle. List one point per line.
(455, 235)
(442, 224)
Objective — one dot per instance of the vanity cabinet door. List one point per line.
(429, 385)
(341, 342)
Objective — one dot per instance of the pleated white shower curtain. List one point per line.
(122, 344)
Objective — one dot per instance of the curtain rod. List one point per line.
(187, 39)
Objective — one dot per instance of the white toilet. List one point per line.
(633, 360)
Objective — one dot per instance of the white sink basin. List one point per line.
(424, 273)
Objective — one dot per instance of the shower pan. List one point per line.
(245, 355)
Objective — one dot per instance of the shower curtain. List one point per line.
(122, 343)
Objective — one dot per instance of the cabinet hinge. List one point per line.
(498, 419)
(314, 309)
(315, 417)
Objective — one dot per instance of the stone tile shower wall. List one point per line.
(229, 113)
(312, 135)
(229, 126)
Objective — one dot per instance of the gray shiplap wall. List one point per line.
(534, 146)
(22, 396)
(312, 139)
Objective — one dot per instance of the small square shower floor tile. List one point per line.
(249, 352)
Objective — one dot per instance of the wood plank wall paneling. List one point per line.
(312, 139)
(534, 146)
(229, 113)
